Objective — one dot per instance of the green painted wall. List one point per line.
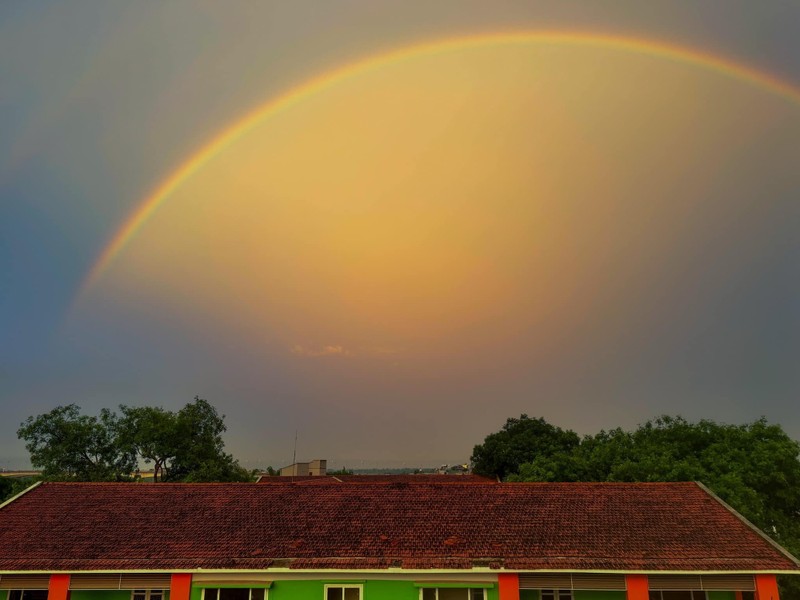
(315, 590)
(297, 590)
(388, 590)
(373, 590)
(3, 594)
(600, 595)
(100, 595)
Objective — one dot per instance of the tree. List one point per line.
(753, 467)
(520, 441)
(151, 431)
(201, 455)
(342, 471)
(6, 488)
(67, 445)
(11, 486)
(182, 446)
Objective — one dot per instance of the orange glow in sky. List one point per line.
(498, 197)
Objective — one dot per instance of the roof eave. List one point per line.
(22, 493)
(744, 520)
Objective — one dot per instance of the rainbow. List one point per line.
(147, 207)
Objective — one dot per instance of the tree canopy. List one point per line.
(185, 445)
(68, 445)
(11, 486)
(754, 467)
(520, 441)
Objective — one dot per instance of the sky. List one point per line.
(389, 226)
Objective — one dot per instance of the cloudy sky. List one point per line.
(389, 226)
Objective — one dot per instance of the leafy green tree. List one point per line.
(342, 471)
(182, 446)
(151, 431)
(201, 457)
(753, 467)
(221, 469)
(11, 486)
(67, 445)
(6, 487)
(520, 441)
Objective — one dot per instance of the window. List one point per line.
(558, 595)
(147, 595)
(459, 593)
(233, 594)
(677, 595)
(27, 595)
(343, 592)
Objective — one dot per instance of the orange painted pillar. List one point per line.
(637, 587)
(59, 587)
(766, 587)
(508, 586)
(180, 587)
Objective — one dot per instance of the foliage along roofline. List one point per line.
(22, 493)
(747, 522)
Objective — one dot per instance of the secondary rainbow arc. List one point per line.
(148, 207)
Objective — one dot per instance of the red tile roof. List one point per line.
(404, 478)
(281, 479)
(421, 478)
(625, 527)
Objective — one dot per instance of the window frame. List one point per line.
(234, 587)
(468, 590)
(23, 590)
(557, 594)
(147, 593)
(342, 586)
(690, 592)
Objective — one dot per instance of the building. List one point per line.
(382, 541)
(315, 468)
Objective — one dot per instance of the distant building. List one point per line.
(315, 468)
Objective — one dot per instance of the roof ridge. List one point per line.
(472, 483)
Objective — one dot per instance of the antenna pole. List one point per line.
(294, 454)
